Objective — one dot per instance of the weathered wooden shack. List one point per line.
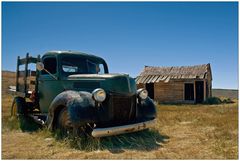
(184, 84)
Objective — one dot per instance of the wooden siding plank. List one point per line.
(28, 60)
(21, 73)
(33, 73)
(29, 73)
(169, 92)
(204, 90)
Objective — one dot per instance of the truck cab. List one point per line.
(61, 66)
(75, 90)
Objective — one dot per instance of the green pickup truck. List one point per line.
(74, 92)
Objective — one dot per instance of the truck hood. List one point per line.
(112, 83)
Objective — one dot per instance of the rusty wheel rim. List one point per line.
(14, 110)
(64, 122)
(66, 127)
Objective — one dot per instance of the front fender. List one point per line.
(80, 107)
(146, 109)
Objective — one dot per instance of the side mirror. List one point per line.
(40, 66)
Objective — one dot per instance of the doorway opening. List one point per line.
(150, 89)
(189, 92)
(199, 91)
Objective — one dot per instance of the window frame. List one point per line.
(47, 57)
(93, 60)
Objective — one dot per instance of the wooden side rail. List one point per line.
(26, 80)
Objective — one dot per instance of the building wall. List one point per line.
(209, 82)
(169, 92)
(140, 85)
(173, 91)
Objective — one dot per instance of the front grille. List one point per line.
(117, 110)
(123, 108)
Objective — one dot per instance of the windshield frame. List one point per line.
(90, 58)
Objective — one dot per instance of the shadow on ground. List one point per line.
(146, 140)
(25, 124)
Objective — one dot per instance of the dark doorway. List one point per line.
(199, 91)
(150, 89)
(189, 91)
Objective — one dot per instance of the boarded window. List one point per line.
(189, 91)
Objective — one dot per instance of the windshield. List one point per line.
(78, 65)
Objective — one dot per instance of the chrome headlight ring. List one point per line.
(142, 93)
(99, 95)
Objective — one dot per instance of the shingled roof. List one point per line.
(152, 74)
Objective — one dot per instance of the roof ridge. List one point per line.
(147, 66)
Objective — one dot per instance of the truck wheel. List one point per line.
(18, 106)
(65, 126)
(19, 112)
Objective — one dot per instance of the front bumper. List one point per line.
(101, 132)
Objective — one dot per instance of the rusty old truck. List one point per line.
(74, 92)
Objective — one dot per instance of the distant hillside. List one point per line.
(8, 79)
(229, 93)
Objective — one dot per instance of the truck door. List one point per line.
(48, 85)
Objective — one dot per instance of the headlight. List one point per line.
(99, 95)
(142, 93)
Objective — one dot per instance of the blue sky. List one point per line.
(128, 35)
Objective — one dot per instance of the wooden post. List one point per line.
(183, 96)
(154, 91)
(194, 88)
(26, 75)
(37, 74)
(36, 82)
(204, 90)
(210, 89)
(17, 73)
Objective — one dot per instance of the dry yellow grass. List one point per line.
(181, 132)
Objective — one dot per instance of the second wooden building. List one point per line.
(185, 84)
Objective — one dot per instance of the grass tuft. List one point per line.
(213, 101)
(13, 123)
(143, 140)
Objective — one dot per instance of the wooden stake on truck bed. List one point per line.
(26, 74)
(17, 74)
